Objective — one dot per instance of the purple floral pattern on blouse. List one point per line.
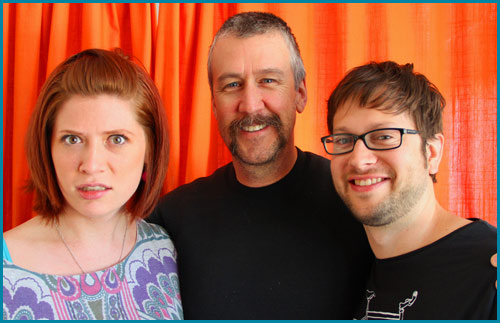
(144, 286)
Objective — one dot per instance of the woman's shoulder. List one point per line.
(153, 237)
(151, 231)
(26, 230)
(21, 239)
(20, 242)
(150, 227)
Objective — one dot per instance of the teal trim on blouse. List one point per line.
(6, 254)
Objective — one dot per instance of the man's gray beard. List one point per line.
(392, 209)
(273, 121)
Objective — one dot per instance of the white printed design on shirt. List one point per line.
(377, 315)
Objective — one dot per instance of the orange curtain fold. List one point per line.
(454, 45)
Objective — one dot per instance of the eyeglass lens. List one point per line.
(378, 139)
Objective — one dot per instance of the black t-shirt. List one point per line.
(449, 279)
(290, 250)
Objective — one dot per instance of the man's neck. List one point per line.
(426, 225)
(264, 175)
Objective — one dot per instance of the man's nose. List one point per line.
(361, 156)
(251, 99)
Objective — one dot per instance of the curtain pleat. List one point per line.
(454, 45)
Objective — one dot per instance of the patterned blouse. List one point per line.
(144, 286)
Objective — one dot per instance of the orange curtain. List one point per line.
(454, 45)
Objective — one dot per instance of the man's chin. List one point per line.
(261, 156)
(366, 215)
(371, 220)
(255, 160)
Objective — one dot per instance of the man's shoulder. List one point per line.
(316, 171)
(315, 158)
(475, 243)
(190, 198)
(314, 163)
(484, 226)
(202, 186)
(482, 233)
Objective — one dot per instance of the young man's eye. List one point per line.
(71, 139)
(342, 140)
(117, 139)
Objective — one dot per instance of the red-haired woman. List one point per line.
(97, 150)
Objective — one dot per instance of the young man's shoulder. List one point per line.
(478, 233)
(466, 250)
(471, 243)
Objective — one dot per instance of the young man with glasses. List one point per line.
(386, 144)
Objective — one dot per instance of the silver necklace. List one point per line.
(73, 256)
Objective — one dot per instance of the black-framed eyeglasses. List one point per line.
(378, 139)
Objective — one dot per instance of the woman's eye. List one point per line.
(118, 139)
(71, 139)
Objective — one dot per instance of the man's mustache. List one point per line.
(253, 120)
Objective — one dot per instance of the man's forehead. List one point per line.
(230, 39)
(266, 52)
(355, 102)
(383, 113)
(236, 35)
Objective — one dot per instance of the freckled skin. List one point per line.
(97, 140)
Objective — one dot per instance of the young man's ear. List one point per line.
(301, 98)
(434, 152)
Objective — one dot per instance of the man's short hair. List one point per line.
(393, 88)
(248, 24)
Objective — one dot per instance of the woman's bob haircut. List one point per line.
(89, 73)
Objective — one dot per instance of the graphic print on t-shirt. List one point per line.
(379, 315)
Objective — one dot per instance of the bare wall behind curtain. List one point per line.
(454, 45)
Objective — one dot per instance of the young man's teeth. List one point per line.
(93, 188)
(366, 182)
(254, 128)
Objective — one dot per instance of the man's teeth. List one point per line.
(93, 188)
(366, 182)
(253, 128)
